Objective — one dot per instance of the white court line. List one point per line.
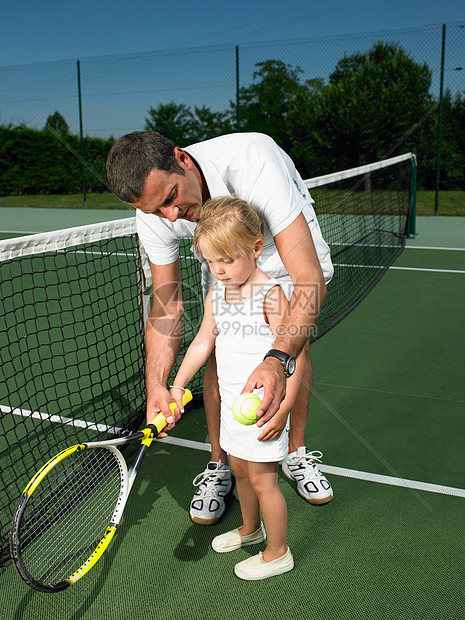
(428, 247)
(407, 247)
(20, 232)
(25, 413)
(346, 473)
(399, 268)
(392, 481)
(431, 270)
(205, 447)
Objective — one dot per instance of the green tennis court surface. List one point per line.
(387, 411)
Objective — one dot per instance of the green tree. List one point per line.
(55, 122)
(179, 124)
(311, 148)
(265, 104)
(174, 121)
(375, 105)
(39, 162)
(452, 170)
(458, 112)
(208, 124)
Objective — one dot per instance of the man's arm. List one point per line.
(164, 332)
(297, 251)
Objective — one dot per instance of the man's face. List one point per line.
(173, 196)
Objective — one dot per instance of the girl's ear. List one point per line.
(258, 247)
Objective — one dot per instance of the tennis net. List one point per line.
(75, 302)
(364, 214)
(74, 305)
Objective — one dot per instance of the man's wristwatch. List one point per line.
(286, 360)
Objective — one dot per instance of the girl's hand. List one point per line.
(176, 393)
(274, 427)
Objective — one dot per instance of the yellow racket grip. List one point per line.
(160, 421)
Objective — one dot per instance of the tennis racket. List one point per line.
(69, 512)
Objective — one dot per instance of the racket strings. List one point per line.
(67, 515)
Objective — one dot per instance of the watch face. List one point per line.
(291, 366)
(286, 360)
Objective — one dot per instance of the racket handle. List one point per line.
(159, 421)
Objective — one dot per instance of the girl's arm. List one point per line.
(275, 307)
(197, 353)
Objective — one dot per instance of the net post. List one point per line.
(412, 217)
(441, 102)
(81, 138)
(238, 108)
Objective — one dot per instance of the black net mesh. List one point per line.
(364, 220)
(72, 352)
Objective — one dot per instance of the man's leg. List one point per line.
(301, 464)
(299, 413)
(214, 483)
(212, 403)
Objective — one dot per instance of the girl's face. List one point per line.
(235, 272)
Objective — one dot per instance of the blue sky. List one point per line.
(48, 30)
(41, 42)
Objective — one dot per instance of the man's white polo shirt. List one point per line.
(253, 167)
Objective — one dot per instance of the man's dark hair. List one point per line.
(131, 159)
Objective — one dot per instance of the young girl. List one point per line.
(242, 314)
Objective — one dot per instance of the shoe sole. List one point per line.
(316, 502)
(319, 502)
(200, 521)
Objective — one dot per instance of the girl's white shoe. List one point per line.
(233, 540)
(256, 568)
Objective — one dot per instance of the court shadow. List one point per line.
(197, 539)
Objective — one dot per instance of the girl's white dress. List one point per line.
(242, 341)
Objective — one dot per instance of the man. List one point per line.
(167, 185)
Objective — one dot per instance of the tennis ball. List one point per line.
(245, 408)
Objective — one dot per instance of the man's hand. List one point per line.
(270, 376)
(159, 399)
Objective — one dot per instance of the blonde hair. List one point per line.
(229, 225)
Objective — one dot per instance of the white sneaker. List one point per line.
(311, 483)
(230, 541)
(256, 568)
(213, 484)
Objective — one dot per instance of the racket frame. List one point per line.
(146, 435)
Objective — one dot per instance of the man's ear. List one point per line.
(182, 158)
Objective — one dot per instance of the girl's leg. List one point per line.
(263, 479)
(250, 507)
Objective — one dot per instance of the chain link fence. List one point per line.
(215, 86)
